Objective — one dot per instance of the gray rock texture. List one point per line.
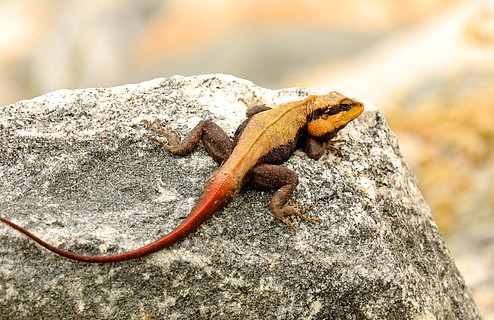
(76, 169)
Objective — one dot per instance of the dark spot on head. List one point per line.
(333, 110)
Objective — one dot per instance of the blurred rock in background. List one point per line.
(429, 65)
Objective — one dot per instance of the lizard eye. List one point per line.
(325, 116)
(346, 104)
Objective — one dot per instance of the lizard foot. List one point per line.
(288, 210)
(254, 105)
(172, 137)
(253, 101)
(330, 145)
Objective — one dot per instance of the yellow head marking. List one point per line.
(331, 113)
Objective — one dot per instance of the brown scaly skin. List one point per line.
(267, 138)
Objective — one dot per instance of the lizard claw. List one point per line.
(330, 145)
(161, 143)
(253, 101)
(167, 132)
(288, 210)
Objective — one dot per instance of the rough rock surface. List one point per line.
(77, 170)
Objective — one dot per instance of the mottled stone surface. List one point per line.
(77, 170)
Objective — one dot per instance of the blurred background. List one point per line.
(427, 64)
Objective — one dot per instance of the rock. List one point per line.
(77, 171)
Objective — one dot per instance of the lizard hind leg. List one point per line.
(216, 141)
(273, 176)
(254, 105)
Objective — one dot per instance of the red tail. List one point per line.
(219, 191)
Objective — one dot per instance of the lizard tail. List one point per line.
(219, 191)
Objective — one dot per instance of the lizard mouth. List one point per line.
(346, 116)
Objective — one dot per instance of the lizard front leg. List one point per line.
(315, 149)
(216, 141)
(272, 176)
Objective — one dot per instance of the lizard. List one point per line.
(262, 142)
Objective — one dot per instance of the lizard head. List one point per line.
(330, 113)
